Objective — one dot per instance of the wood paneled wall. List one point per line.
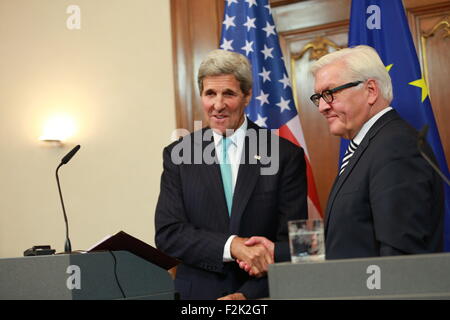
(430, 25)
(196, 28)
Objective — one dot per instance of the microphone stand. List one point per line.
(67, 245)
(422, 135)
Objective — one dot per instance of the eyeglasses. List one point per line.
(327, 95)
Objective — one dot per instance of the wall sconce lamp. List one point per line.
(57, 129)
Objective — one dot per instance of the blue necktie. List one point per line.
(225, 169)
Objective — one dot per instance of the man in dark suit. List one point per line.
(386, 199)
(223, 186)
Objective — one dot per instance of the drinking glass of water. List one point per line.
(306, 241)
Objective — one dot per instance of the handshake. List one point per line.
(253, 254)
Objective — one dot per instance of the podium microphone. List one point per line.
(65, 160)
(420, 142)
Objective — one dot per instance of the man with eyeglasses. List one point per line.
(386, 200)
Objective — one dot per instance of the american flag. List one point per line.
(248, 28)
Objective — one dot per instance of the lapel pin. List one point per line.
(257, 157)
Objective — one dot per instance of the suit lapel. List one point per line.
(343, 177)
(245, 184)
(340, 180)
(330, 203)
(213, 178)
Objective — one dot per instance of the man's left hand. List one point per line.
(269, 245)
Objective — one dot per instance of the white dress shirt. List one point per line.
(365, 128)
(234, 154)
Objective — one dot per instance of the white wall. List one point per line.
(114, 77)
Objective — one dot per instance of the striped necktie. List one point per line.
(225, 169)
(348, 154)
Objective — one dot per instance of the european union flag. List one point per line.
(383, 26)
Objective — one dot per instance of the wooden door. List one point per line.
(308, 30)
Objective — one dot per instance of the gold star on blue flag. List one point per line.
(422, 85)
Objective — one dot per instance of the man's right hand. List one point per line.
(254, 241)
(257, 257)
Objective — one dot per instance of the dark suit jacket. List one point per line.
(388, 201)
(192, 221)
